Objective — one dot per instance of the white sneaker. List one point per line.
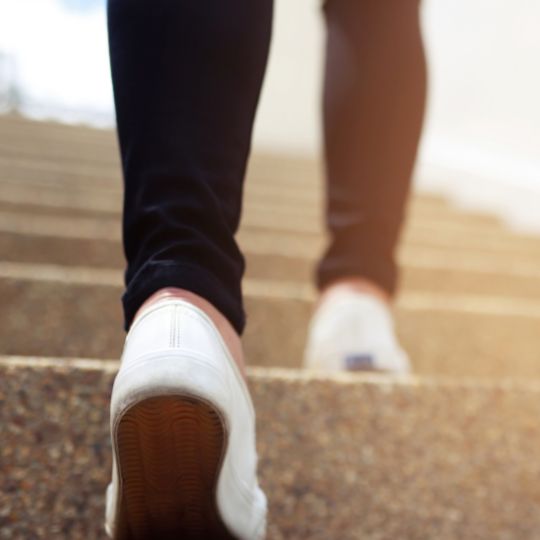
(353, 331)
(183, 434)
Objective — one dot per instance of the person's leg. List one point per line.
(374, 99)
(187, 77)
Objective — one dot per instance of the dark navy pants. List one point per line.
(187, 76)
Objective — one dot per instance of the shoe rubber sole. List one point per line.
(170, 451)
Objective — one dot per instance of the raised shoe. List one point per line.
(354, 331)
(183, 434)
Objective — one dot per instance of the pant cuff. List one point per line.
(154, 276)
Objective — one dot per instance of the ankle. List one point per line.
(228, 333)
(355, 284)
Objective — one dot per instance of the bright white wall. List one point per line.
(60, 58)
(485, 72)
(289, 115)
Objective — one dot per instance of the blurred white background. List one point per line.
(481, 145)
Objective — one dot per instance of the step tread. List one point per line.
(71, 314)
(408, 459)
(50, 150)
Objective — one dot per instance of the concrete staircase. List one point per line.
(451, 453)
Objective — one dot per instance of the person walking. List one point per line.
(187, 78)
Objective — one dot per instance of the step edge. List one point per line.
(289, 375)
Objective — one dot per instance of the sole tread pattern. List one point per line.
(169, 451)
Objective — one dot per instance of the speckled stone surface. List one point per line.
(350, 458)
(40, 318)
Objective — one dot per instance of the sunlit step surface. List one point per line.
(344, 457)
(66, 311)
(281, 241)
(459, 272)
(303, 217)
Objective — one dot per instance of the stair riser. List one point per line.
(284, 239)
(96, 189)
(54, 319)
(261, 206)
(438, 279)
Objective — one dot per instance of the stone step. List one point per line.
(285, 182)
(448, 228)
(89, 242)
(53, 153)
(260, 208)
(85, 190)
(25, 131)
(444, 334)
(471, 251)
(345, 457)
(53, 142)
(266, 175)
(267, 179)
(68, 159)
(429, 272)
(63, 311)
(23, 195)
(56, 229)
(39, 142)
(286, 240)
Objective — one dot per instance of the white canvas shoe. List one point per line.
(353, 331)
(183, 434)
